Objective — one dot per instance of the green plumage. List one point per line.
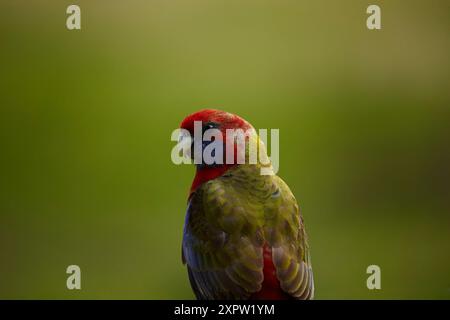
(229, 219)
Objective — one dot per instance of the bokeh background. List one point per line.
(86, 117)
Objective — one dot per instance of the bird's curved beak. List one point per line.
(185, 141)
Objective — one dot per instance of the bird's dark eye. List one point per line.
(210, 125)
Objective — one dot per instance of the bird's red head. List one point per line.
(219, 119)
(213, 119)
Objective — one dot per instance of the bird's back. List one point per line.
(244, 238)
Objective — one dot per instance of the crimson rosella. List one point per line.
(244, 236)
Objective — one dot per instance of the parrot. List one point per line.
(244, 237)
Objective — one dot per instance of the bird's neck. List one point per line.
(206, 173)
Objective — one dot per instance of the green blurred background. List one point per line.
(86, 117)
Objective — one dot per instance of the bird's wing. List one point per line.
(223, 240)
(287, 237)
